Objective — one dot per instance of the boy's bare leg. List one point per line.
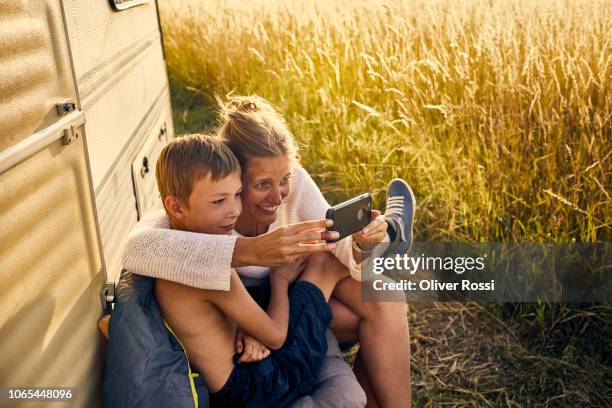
(382, 324)
(324, 274)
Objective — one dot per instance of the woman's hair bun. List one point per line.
(247, 104)
(252, 128)
(243, 105)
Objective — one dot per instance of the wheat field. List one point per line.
(498, 114)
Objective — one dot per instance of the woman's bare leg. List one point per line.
(385, 344)
(364, 381)
(345, 323)
(345, 326)
(384, 365)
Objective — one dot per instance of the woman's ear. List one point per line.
(174, 207)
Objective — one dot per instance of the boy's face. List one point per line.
(214, 206)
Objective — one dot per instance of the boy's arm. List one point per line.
(269, 328)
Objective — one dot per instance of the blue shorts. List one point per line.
(291, 371)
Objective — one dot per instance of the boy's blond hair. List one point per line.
(187, 159)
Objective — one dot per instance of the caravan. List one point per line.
(85, 109)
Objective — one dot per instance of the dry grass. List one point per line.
(464, 355)
(499, 115)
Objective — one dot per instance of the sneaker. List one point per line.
(399, 214)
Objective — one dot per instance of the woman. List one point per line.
(278, 196)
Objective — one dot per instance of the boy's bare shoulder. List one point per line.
(171, 291)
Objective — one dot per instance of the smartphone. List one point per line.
(350, 216)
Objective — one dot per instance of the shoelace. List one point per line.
(395, 205)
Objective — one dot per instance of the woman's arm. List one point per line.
(197, 260)
(204, 261)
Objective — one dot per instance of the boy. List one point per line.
(200, 183)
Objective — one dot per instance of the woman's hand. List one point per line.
(284, 245)
(373, 233)
(250, 350)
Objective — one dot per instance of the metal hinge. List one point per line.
(65, 129)
(70, 134)
(107, 298)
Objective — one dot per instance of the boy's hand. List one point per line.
(250, 349)
(373, 233)
(290, 271)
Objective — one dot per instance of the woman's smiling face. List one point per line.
(266, 183)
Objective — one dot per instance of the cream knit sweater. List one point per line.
(204, 261)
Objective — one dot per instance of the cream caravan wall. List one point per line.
(50, 263)
(35, 67)
(51, 276)
(120, 72)
(123, 88)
